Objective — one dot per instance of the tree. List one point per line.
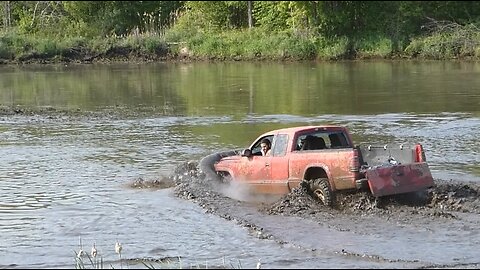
(250, 18)
(123, 17)
(7, 14)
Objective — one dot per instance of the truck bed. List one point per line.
(394, 169)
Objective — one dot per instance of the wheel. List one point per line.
(224, 177)
(321, 190)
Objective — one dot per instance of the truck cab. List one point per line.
(287, 164)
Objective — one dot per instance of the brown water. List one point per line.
(65, 177)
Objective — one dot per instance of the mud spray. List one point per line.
(243, 192)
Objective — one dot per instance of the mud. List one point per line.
(357, 212)
(160, 183)
(436, 201)
(54, 113)
(439, 201)
(191, 184)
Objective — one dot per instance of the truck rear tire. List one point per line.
(321, 190)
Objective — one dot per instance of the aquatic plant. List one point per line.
(94, 260)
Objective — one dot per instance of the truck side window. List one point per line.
(337, 140)
(334, 140)
(280, 147)
(300, 142)
(256, 149)
(314, 142)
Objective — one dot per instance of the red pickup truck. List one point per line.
(327, 158)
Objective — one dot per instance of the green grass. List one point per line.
(458, 42)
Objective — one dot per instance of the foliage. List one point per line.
(282, 29)
(219, 15)
(271, 15)
(145, 43)
(252, 45)
(189, 24)
(332, 48)
(93, 18)
(373, 47)
(446, 40)
(35, 16)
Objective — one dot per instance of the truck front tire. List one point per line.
(321, 190)
(224, 177)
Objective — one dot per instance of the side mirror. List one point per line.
(246, 153)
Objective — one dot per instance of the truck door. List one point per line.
(278, 182)
(279, 161)
(256, 168)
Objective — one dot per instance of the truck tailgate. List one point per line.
(396, 179)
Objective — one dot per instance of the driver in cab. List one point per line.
(265, 146)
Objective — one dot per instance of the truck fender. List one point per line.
(206, 163)
(326, 175)
(230, 172)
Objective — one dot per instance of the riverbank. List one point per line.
(133, 56)
(255, 45)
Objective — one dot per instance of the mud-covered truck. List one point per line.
(326, 158)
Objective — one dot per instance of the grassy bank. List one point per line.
(459, 42)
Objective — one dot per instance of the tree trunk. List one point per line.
(6, 14)
(250, 18)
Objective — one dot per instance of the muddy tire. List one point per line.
(224, 178)
(320, 189)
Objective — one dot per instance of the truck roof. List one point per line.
(302, 128)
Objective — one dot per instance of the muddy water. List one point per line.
(77, 143)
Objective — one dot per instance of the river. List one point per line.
(65, 177)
